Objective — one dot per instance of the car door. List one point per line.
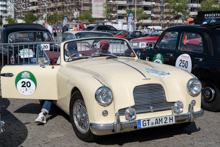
(164, 49)
(189, 54)
(30, 81)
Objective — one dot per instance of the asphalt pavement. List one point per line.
(22, 131)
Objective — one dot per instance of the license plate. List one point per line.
(142, 44)
(135, 44)
(156, 121)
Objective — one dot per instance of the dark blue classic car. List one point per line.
(13, 37)
(195, 49)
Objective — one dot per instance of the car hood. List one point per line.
(122, 75)
(148, 38)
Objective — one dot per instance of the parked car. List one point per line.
(195, 49)
(107, 89)
(153, 37)
(122, 34)
(79, 26)
(68, 35)
(14, 34)
(134, 34)
(103, 28)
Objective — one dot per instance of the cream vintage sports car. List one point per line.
(104, 87)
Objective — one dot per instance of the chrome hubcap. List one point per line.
(209, 94)
(81, 118)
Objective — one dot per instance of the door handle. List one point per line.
(200, 59)
(7, 74)
(169, 54)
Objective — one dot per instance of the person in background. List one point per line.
(75, 28)
(47, 25)
(65, 28)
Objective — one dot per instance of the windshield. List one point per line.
(135, 34)
(156, 33)
(89, 28)
(121, 33)
(16, 37)
(97, 47)
(92, 34)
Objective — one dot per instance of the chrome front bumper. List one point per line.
(1, 126)
(118, 126)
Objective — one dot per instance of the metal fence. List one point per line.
(141, 44)
(25, 53)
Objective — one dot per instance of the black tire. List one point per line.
(86, 136)
(210, 96)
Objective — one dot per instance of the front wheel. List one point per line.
(210, 96)
(79, 118)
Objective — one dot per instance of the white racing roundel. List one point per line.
(26, 83)
(184, 62)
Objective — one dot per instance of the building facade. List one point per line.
(156, 9)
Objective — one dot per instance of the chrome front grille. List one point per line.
(149, 98)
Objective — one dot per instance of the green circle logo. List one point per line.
(26, 83)
(158, 58)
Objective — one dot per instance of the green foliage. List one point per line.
(86, 16)
(1, 22)
(30, 17)
(53, 18)
(178, 8)
(107, 10)
(209, 5)
(140, 14)
(10, 20)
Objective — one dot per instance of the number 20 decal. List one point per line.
(184, 62)
(26, 84)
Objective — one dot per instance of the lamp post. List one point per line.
(46, 10)
(135, 15)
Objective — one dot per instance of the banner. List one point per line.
(98, 8)
(130, 18)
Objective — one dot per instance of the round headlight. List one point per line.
(130, 114)
(194, 87)
(104, 96)
(178, 107)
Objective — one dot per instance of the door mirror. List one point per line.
(151, 45)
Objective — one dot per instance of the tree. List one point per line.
(178, 8)
(107, 10)
(30, 17)
(140, 14)
(209, 5)
(54, 18)
(1, 22)
(86, 16)
(9, 19)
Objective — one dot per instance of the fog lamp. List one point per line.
(178, 107)
(130, 114)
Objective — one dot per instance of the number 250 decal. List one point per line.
(184, 62)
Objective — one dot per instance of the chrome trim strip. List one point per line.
(135, 69)
(111, 127)
(98, 80)
(118, 126)
(1, 126)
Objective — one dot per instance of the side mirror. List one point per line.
(151, 45)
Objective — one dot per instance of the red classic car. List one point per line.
(152, 37)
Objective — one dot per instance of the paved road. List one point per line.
(21, 130)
